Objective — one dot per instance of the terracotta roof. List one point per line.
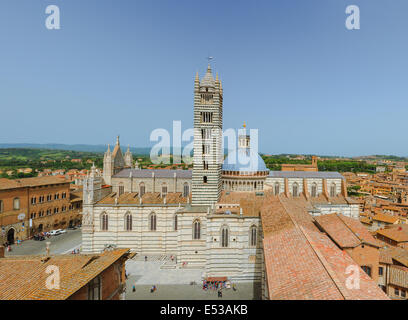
(31, 182)
(366, 220)
(24, 277)
(398, 233)
(303, 263)
(338, 231)
(389, 255)
(250, 202)
(147, 198)
(385, 218)
(346, 232)
(8, 184)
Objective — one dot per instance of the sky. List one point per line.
(289, 68)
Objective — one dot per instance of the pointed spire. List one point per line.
(208, 80)
(216, 77)
(196, 77)
(128, 149)
(108, 148)
(117, 140)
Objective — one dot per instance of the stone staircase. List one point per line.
(164, 258)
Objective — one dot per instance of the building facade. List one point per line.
(208, 217)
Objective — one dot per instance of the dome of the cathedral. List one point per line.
(244, 161)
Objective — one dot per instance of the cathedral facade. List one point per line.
(209, 217)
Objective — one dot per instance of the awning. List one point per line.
(216, 279)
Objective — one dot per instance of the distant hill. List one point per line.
(70, 147)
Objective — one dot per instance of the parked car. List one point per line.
(61, 231)
(39, 237)
(54, 232)
(72, 228)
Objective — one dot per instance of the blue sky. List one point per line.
(289, 68)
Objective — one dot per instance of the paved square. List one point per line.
(174, 284)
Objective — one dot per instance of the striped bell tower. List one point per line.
(208, 155)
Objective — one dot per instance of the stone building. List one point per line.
(32, 205)
(210, 217)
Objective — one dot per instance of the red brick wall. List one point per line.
(8, 217)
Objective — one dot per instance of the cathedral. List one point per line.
(213, 217)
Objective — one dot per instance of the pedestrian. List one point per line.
(219, 293)
(134, 288)
(145, 258)
(234, 287)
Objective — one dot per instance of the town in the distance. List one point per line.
(113, 225)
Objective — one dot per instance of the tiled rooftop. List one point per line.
(398, 233)
(30, 182)
(158, 173)
(303, 263)
(345, 232)
(148, 198)
(24, 277)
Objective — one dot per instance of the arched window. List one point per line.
(128, 222)
(333, 190)
(175, 222)
(104, 222)
(121, 189)
(314, 189)
(152, 222)
(16, 204)
(196, 230)
(186, 190)
(253, 236)
(142, 189)
(224, 237)
(277, 188)
(205, 179)
(164, 190)
(295, 189)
